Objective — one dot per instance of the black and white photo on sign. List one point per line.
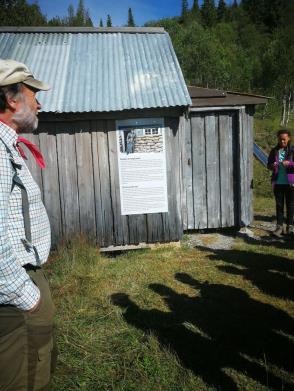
(140, 139)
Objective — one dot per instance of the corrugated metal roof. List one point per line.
(100, 71)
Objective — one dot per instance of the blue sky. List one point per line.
(143, 10)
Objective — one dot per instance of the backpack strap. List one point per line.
(16, 181)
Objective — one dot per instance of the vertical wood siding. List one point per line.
(227, 156)
(217, 169)
(50, 176)
(199, 172)
(209, 178)
(246, 164)
(80, 184)
(102, 189)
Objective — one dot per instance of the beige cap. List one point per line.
(12, 72)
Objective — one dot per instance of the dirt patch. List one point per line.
(260, 231)
(214, 241)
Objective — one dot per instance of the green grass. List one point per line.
(263, 201)
(173, 318)
(266, 124)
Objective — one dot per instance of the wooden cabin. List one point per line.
(217, 159)
(106, 83)
(132, 155)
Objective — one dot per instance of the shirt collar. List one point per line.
(8, 135)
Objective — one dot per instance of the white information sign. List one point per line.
(142, 166)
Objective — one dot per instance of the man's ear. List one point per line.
(12, 102)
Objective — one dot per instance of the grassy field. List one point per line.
(176, 318)
(263, 193)
(266, 124)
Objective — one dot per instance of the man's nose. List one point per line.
(38, 104)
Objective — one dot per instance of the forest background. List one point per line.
(243, 46)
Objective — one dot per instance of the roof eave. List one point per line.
(43, 29)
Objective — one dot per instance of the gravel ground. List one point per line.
(260, 231)
(213, 241)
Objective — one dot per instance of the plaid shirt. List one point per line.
(16, 287)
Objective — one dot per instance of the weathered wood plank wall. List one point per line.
(80, 185)
(217, 169)
(227, 182)
(102, 189)
(209, 175)
(50, 183)
(246, 165)
(199, 173)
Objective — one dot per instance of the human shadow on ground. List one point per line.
(266, 219)
(285, 242)
(220, 328)
(273, 275)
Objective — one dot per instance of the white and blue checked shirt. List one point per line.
(16, 287)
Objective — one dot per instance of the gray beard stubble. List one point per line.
(25, 119)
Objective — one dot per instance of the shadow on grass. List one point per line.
(273, 275)
(221, 328)
(284, 243)
(266, 219)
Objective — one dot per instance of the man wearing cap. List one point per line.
(27, 349)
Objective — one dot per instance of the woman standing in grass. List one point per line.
(281, 162)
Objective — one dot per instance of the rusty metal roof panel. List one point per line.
(207, 97)
(100, 71)
(229, 100)
(200, 92)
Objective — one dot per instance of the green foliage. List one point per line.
(266, 124)
(268, 14)
(101, 23)
(131, 21)
(213, 57)
(71, 15)
(82, 17)
(20, 13)
(278, 61)
(221, 10)
(235, 46)
(208, 13)
(195, 10)
(79, 19)
(185, 8)
(108, 21)
(262, 182)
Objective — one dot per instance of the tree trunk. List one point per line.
(287, 108)
(290, 106)
(283, 117)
